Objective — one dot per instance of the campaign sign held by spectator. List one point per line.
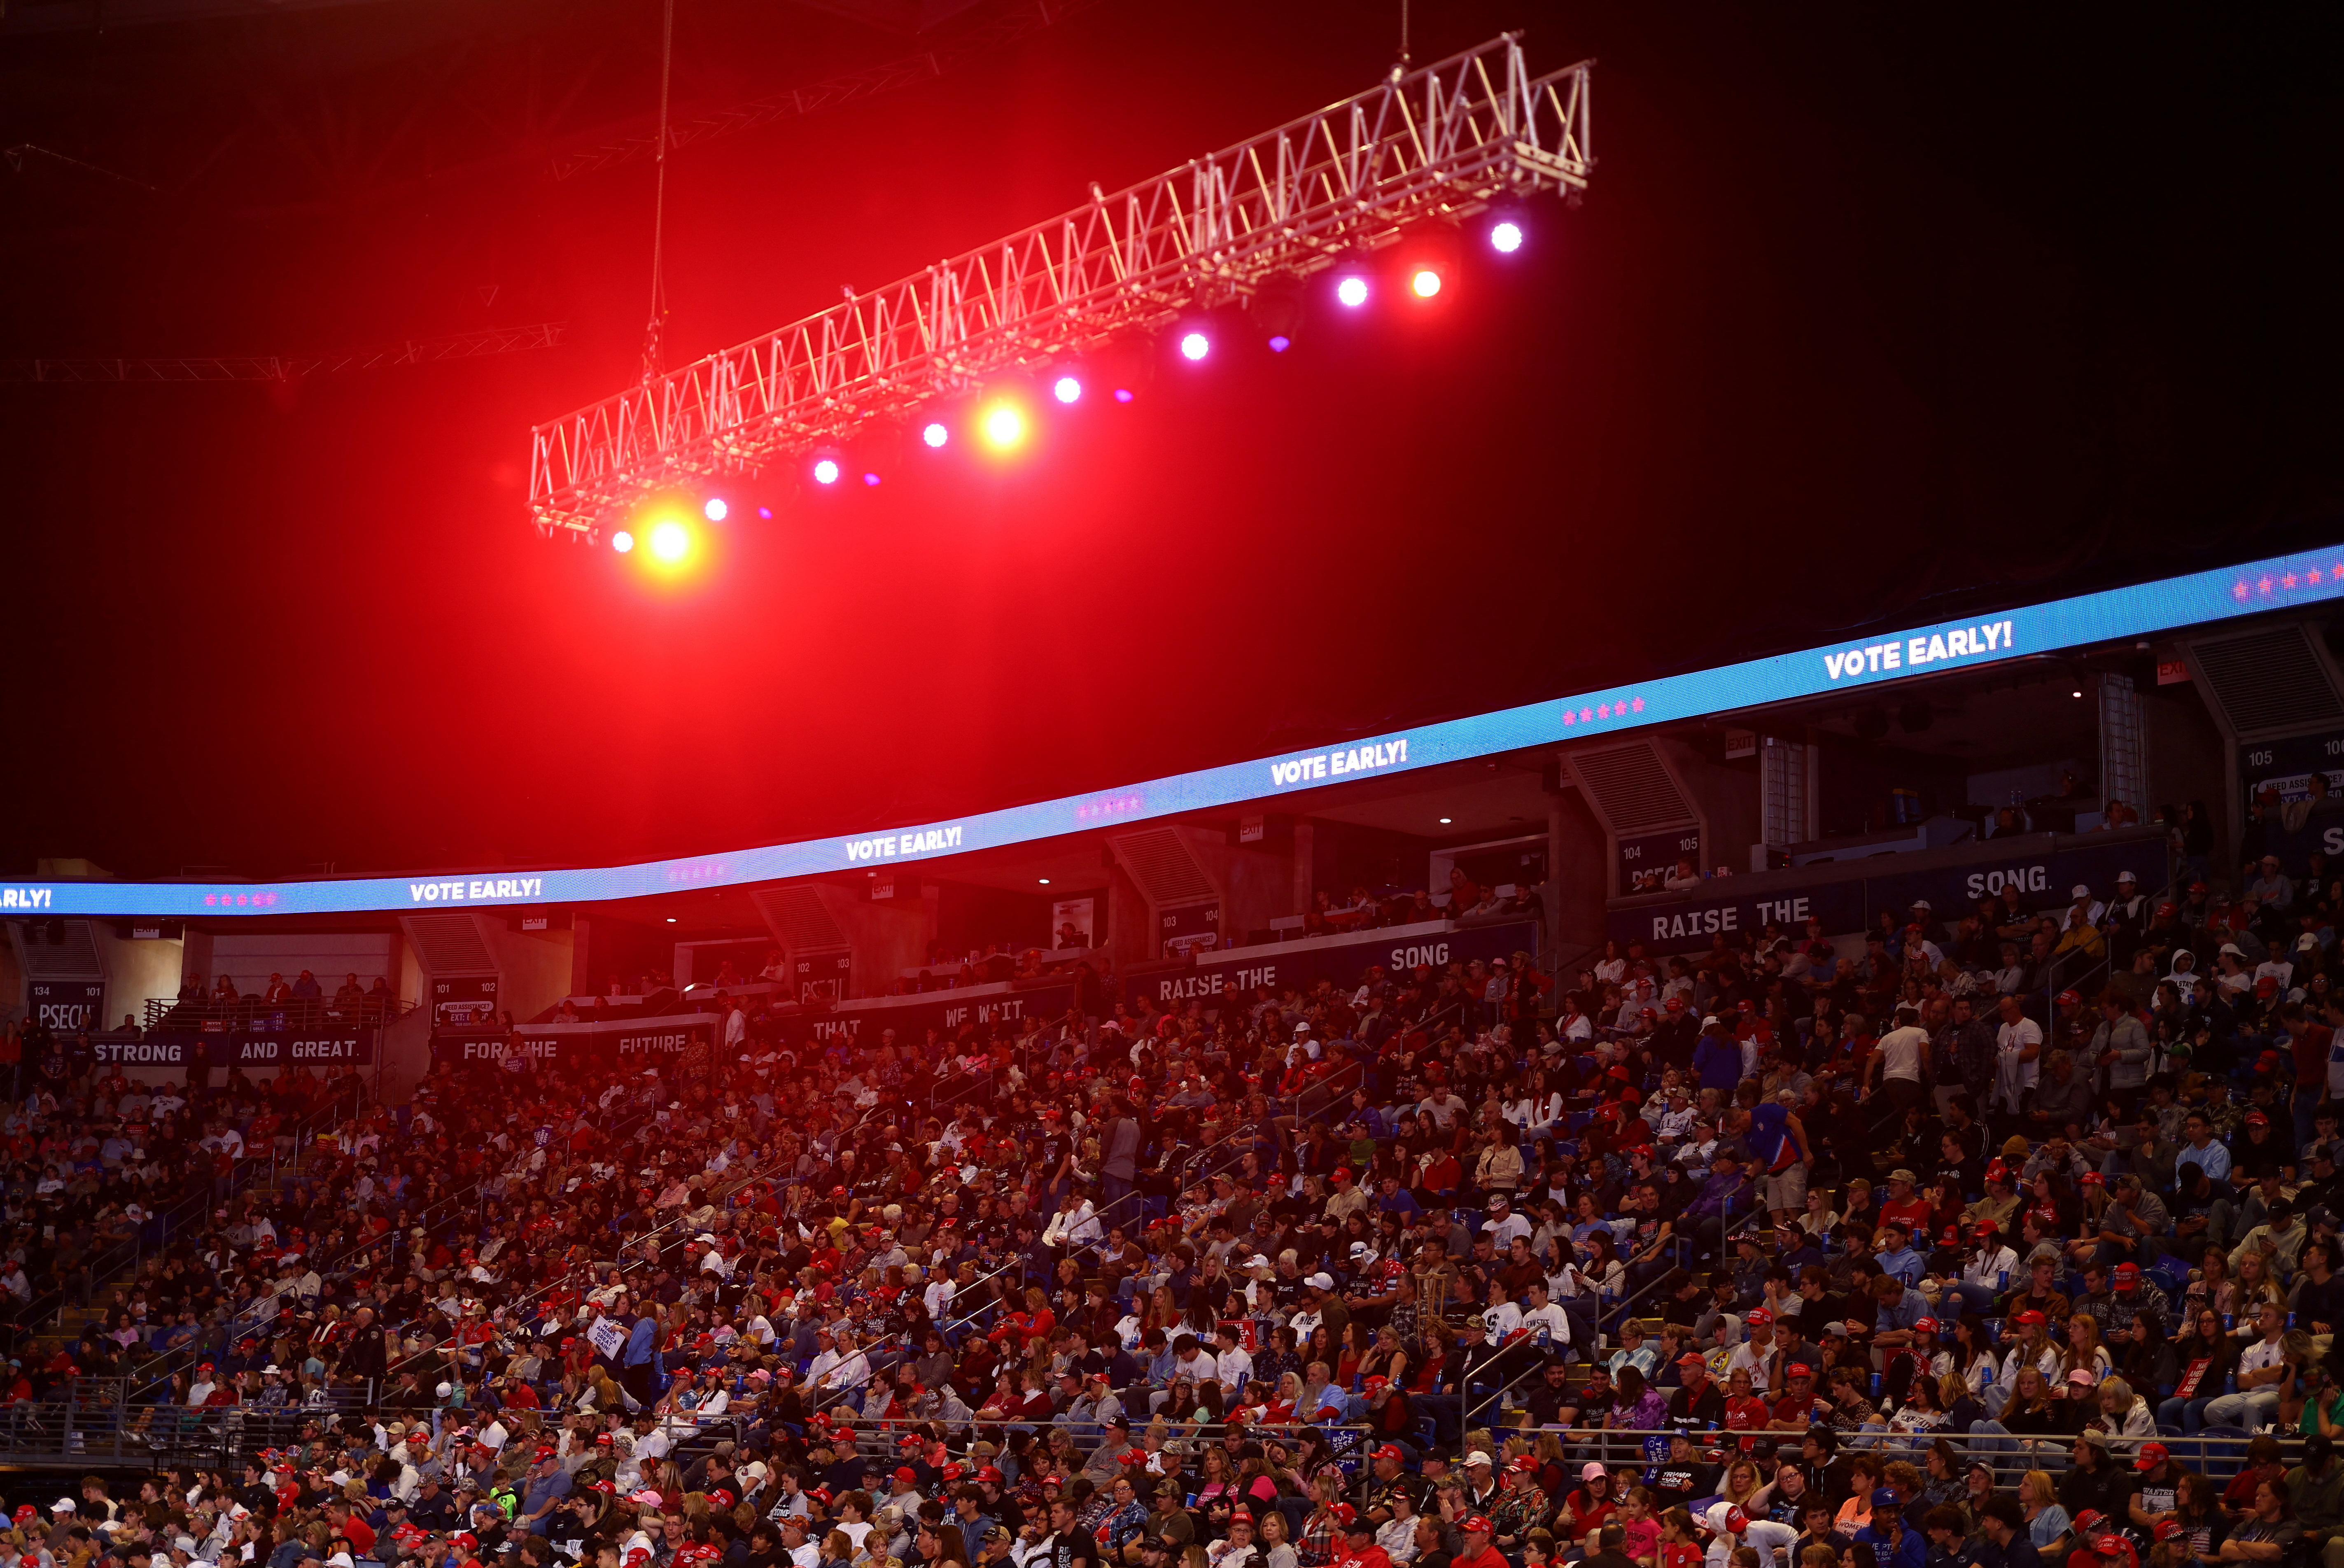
(2034, 872)
(68, 1005)
(1341, 959)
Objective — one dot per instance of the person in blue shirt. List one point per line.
(2200, 1148)
(1896, 1255)
(638, 1372)
(1717, 1059)
(1948, 1548)
(1897, 1309)
(1398, 1199)
(1724, 1198)
(1892, 1545)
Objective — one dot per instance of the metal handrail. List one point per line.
(839, 1395)
(158, 1368)
(758, 1173)
(190, 1015)
(104, 1268)
(1620, 1310)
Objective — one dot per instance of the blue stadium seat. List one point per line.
(2221, 1461)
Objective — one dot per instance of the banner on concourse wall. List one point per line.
(609, 1043)
(1342, 959)
(2036, 877)
(246, 1048)
(866, 1022)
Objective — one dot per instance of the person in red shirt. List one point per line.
(1744, 1411)
(345, 1521)
(1476, 1552)
(2311, 1041)
(1794, 1408)
(1906, 1206)
(1360, 1548)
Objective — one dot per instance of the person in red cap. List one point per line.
(1758, 1354)
(2035, 1348)
(1476, 1550)
(2154, 1492)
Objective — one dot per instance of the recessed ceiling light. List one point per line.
(671, 919)
(1447, 820)
(1045, 880)
(2075, 693)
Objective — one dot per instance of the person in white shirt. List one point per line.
(2262, 1370)
(1195, 1363)
(1776, 1544)
(1232, 1367)
(2035, 1347)
(1500, 1317)
(1503, 1224)
(1075, 1224)
(2017, 1045)
(651, 1444)
(1897, 1063)
(853, 1370)
(850, 1519)
(1757, 1354)
(1444, 1110)
(1988, 1275)
(1542, 1315)
(826, 1359)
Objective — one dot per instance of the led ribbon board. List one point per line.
(2142, 609)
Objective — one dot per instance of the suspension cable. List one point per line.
(658, 202)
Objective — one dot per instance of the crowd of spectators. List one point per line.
(1778, 1248)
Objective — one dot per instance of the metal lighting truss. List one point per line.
(1442, 142)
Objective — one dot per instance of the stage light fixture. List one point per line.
(765, 514)
(935, 433)
(1003, 426)
(1276, 310)
(1194, 345)
(1505, 236)
(623, 541)
(825, 470)
(671, 542)
(1066, 389)
(870, 478)
(1351, 291)
(715, 509)
(1424, 281)
(1124, 394)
